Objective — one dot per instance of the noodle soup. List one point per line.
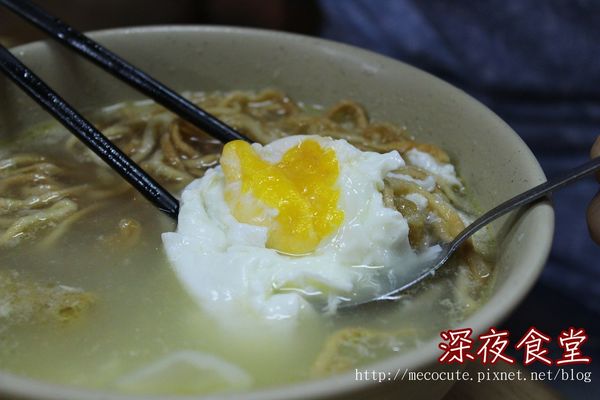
(89, 298)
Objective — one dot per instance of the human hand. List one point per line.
(593, 214)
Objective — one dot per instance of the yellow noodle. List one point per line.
(39, 168)
(180, 145)
(22, 179)
(30, 224)
(169, 152)
(348, 113)
(18, 160)
(8, 205)
(450, 223)
(164, 171)
(176, 152)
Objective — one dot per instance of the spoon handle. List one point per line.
(527, 197)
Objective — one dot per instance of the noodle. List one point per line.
(28, 225)
(50, 197)
(175, 153)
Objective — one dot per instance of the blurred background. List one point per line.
(535, 63)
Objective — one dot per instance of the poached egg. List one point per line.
(275, 227)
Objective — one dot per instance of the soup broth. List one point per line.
(87, 295)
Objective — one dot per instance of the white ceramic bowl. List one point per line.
(492, 159)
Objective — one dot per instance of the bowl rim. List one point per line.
(483, 318)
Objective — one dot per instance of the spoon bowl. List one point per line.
(416, 274)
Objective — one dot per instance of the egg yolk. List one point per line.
(301, 188)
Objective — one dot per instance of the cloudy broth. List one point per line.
(139, 313)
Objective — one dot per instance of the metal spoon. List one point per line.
(417, 275)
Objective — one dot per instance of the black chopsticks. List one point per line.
(86, 132)
(123, 70)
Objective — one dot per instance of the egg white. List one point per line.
(226, 267)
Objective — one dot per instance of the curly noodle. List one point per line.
(38, 192)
